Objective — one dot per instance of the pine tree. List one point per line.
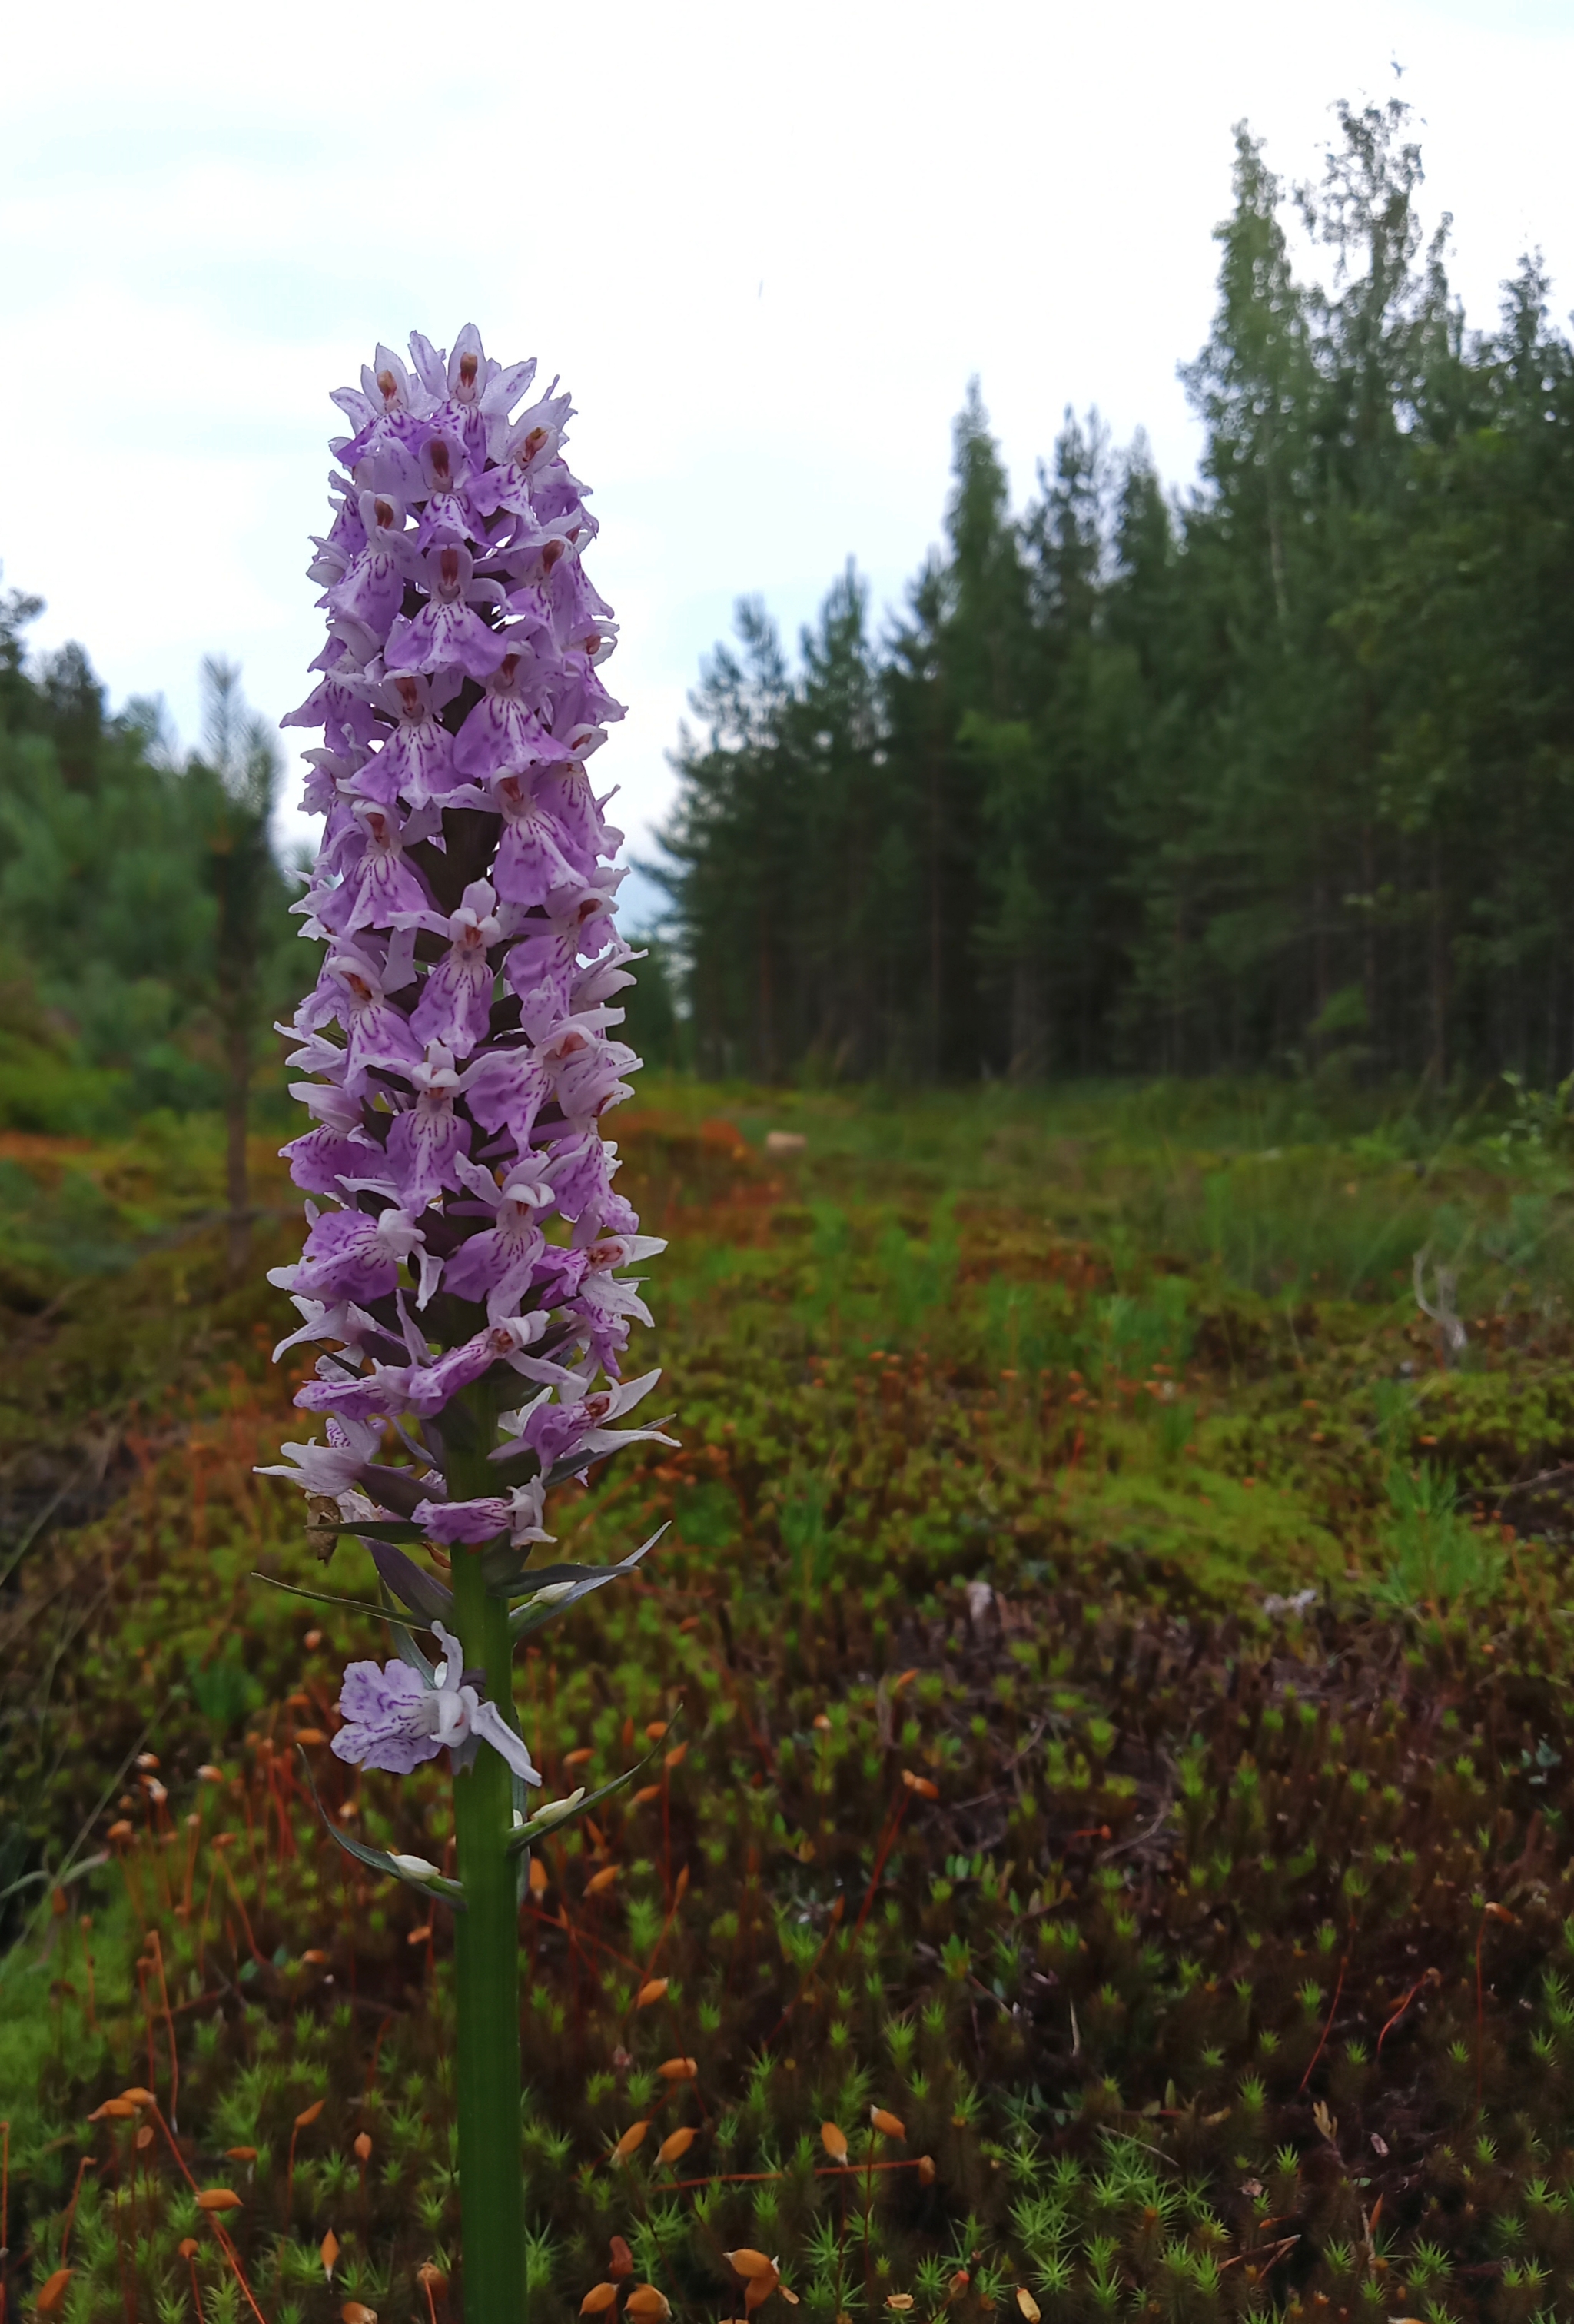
(1275, 773)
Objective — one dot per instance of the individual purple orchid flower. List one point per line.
(371, 589)
(396, 1718)
(417, 757)
(352, 1254)
(502, 734)
(428, 1142)
(381, 884)
(531, 861)
(456, 1002)
(379, 1035)
(448, 633)
(497, 1265)
(332, 1468)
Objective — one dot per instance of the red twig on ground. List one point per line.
(577, 1936)
(241, 1909)
(760, 2178)
(226, 2245)
(86, 2164)
(152, 1938)
(1428, 1977)
(1328, 2024)
(887, 1842)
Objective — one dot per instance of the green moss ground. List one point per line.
(1117, 1681)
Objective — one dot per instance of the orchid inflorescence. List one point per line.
(463, 1272)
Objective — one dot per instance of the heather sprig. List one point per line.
(464, 1269)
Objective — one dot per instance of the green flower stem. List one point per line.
(487, 1968)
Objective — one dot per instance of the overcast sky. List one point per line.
(765, 244)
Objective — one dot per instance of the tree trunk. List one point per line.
(1437, 1063)
(1029, 1059)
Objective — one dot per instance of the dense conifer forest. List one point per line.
(1273, 772)
(145, 940)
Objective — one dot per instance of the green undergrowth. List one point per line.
(1106, 1687)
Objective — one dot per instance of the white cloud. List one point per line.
(766, 247)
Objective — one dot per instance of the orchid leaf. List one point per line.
(423, 1593)
(544, 1821)
(567, 1586)
(405, 1645)
(519, 1793)
(430, 1882)
(322, 1597)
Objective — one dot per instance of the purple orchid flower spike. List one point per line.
(465, 1272)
